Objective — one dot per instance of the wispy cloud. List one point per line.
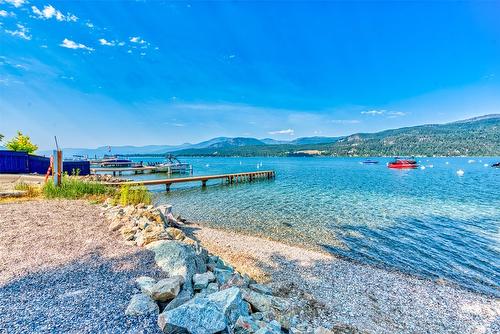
(394, 114)
(373, 112)
(4, 13)
(69, 44)
(106, 42)
(282, 132)
(21, 32)
(50, 11)
(15, 3)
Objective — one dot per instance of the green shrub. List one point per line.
(132, 195)
(74, 188)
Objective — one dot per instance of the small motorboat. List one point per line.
(496, 165)
(402, 163)
(173, 165)
(370, 162)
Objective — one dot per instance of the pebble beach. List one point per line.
(60, 262)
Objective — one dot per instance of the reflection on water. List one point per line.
(430, 221)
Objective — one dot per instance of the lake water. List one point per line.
(428, 222)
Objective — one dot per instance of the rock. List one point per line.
(258, 316)
(263, 303)
(235, 280)
(175, 233)
(230, 302)
(143, 223)
(245, 325)
(260, 288)
(175, 258)
(220, 264)
(222, 275)
(183, 297)
(166, 289)
(200, 281)
(211, 288)
(141, 304)
(322, 330)
(165, 211)
(145, 284)
(128, 232)
(115, 225)
(199, 316)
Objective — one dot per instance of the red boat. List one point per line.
(402, 164)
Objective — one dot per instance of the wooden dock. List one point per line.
(120, 170)
(229, 178)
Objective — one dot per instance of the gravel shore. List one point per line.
(371, 299)
(61, 271)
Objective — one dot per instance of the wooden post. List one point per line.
(167, 186)
(203, 183)
(58, 167)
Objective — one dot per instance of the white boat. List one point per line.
(173, 166)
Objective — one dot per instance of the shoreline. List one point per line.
(330, 291)
(308, 247)
(377, 298)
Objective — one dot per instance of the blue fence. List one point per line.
(22, 163)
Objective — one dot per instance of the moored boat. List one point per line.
(402, 163)
(496, 165)
(370, 162)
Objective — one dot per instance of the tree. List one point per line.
(21, 143)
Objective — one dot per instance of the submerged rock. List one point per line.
(141, 304)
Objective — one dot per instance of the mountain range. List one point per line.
(475, 136)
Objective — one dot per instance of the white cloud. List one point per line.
(49, 12)
(121, 43)
(16, 3)
(137, 39)
(66, 43)
(4, 13)
(143, 53)
(373, 112)
(21, 32)
(282, 132)
(107, 43)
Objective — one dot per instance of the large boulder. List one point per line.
(199, 316)
(231, 303)
(175, 258)
(166, 289)
(264, 303)
(200, 281)
(141, 304)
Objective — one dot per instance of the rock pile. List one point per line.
(202, 294)
(102, 178)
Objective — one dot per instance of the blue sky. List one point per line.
(100, 73)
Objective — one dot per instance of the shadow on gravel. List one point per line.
(89, 295)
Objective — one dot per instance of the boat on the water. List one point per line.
(370, 162)
(114, 162)
(399, 163)
(496, 165)
(172, 165)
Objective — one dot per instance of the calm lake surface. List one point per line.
(428, 222)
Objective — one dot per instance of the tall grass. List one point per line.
(74, 188)
(30, 189)
(132, 195)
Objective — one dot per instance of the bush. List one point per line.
(132, 195)
(21, 143)
(74, 188)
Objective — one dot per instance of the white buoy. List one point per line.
(460, 172)
(471, 161)
(431, 166)
(207, 165)
(447, 163)
(485, 165)
(422, 167)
